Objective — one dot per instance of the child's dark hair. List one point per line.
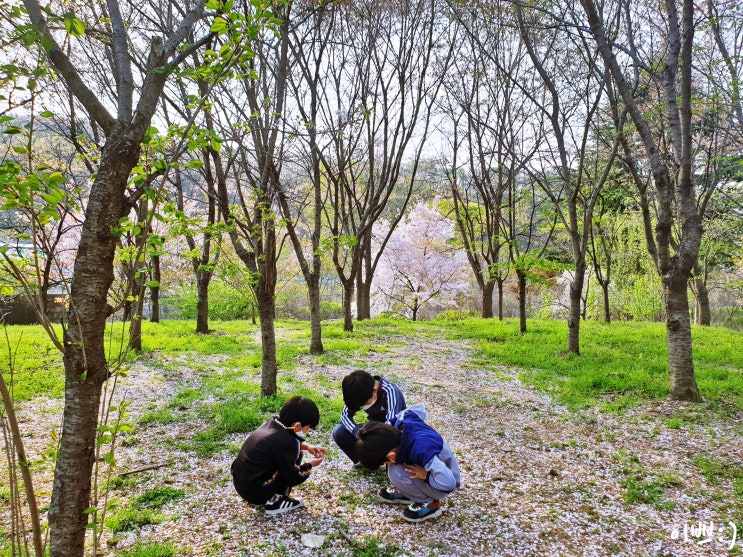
(358, 387)
(299, 409)
(376, 439)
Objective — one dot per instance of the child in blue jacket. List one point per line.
(420, 464)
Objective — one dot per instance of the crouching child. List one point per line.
(420, 464)
(270, 461)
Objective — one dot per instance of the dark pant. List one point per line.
(346, 441)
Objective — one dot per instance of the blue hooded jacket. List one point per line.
(420, 442)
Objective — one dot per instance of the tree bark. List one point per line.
(85, 360)
(347, 301)
(574, 315)
(521, 277)
(487, 299)
(155, 290)
(607, 306)
(702, 313)
(364, 277)
(313, 290)
(269, 367)
(501, 281)
(678, 334)
(203, 278)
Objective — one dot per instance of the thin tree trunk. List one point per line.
(522, 300)
(313, 288)
(135, 328)
(364, 278)
(703, 315)
(155, 290)
(607, 307)
(574, 315)
(23, 464)
(269, 368)
(203, 279)
(347, 301)
(501, 281)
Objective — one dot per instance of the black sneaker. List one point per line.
(281, 503)
(392, 495)
(418, 513)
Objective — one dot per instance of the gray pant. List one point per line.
(414, 489)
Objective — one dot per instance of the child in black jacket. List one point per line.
(270, 461)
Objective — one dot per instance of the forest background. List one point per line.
(570, 160)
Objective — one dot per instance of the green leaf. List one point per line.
(74, 26)
(219, 25)
(47, 114)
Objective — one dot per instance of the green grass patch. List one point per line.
(37, 364)
(716, 470)
(127, 519)
(158, 497)
(625, 361)
(643, 487)
(149, 549)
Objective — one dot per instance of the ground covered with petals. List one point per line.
(537, 478)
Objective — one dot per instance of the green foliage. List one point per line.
(716, 470)
(621, 361)
(149, 549)
(158, 497)
(374, 546)
(226, 303)
(641, 486)
(128, 519)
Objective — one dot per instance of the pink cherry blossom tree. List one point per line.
(422, 265)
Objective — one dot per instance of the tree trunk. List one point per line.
(364, 279)
(347, 301)
(85, 360)
(364, 300)
(702, 313)
(607, 307)
(203, 279)
(313, 288)
(269, 368)
(678, 331)
(522, 300)
(155, 290)
(576, 290)
(487, 299)
(135, 328)
(501, 281)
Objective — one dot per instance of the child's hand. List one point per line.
(317, 461)
(315, 450)
(416, 471)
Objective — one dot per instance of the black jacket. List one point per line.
(270, 454)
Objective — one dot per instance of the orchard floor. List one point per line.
(537, 479)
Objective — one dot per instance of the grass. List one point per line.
(620, 363)
(149, 549)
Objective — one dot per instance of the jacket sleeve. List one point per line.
(348, 423)
(395, 400)
(289, 470)
(440, 476)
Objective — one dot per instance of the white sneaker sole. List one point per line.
(284, 509)
(437, 513)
